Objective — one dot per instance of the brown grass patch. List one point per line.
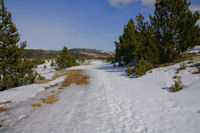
(181, 59)
(51, 86)
(77, 77)
(52, 91)
(196, 72)
(3, 109)
(37, 81)
(50, 99)
(6, 102)
(59, 91)
(54, 85)
(36, 104)
(46, 87)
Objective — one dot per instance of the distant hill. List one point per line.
(77, 53)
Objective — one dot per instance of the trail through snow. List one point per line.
(113, 103)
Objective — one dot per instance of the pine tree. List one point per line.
(12, 69)
(127, 47)
(148, 49)
(174, 27)
(65, 59)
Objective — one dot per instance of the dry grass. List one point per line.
(50, 99)
(36, 104)
(77, 77)
(46, 87)
(181, 59)
(59, 91)
(52, 91)
(51, 86)
(6, 102)
(54, 85)
(196, 72)
(37, 81)
(3, 109)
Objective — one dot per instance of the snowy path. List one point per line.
(113, 103)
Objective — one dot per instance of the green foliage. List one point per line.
(65, 59)
(142, 67)
(37, 61)
(45, 66)
(52, 63)
(164, 39)
(13, 70)
(173, 24)
(82, 60)
(148, 49)
(128, 45)
(129, 71)
(177, 85)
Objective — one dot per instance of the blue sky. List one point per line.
(96, 24)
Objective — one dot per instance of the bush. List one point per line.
(129, 71)
(177, 85)
(142, 67)
(182, 67)
(41, 77)
(45, 66)
(52, 63)
(65, 59)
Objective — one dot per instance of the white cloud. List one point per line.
(119, 3)
(148, 2)
(195, 8)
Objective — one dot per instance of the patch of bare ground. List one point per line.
(3, 109)
(184, 57)
(196, 72)
(50, 99)
(38, 81)
(36, 104)
(52, 91)
(54, 85)
(77, 77)
(72, 76)
(6, 102)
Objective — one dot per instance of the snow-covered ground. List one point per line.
(47, 72)
(196, 49)
(111, 103)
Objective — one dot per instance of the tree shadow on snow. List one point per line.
(111, 68)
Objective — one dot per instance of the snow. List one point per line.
(112, 103)
(196, 49)
(107, 52)
(48, 72)
(23, 93)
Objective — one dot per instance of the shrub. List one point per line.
(142, 67)
(52, 63)
(41, 77)
(45, 66)
(65, 59)
(129, 71)
(182, 67)
(177, 85)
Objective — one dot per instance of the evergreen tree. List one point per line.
(127, 47)
(174, 27)
(148, 49)
(65, 59)
(142, 67)
(13, 71)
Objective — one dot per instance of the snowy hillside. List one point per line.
(111, 103)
